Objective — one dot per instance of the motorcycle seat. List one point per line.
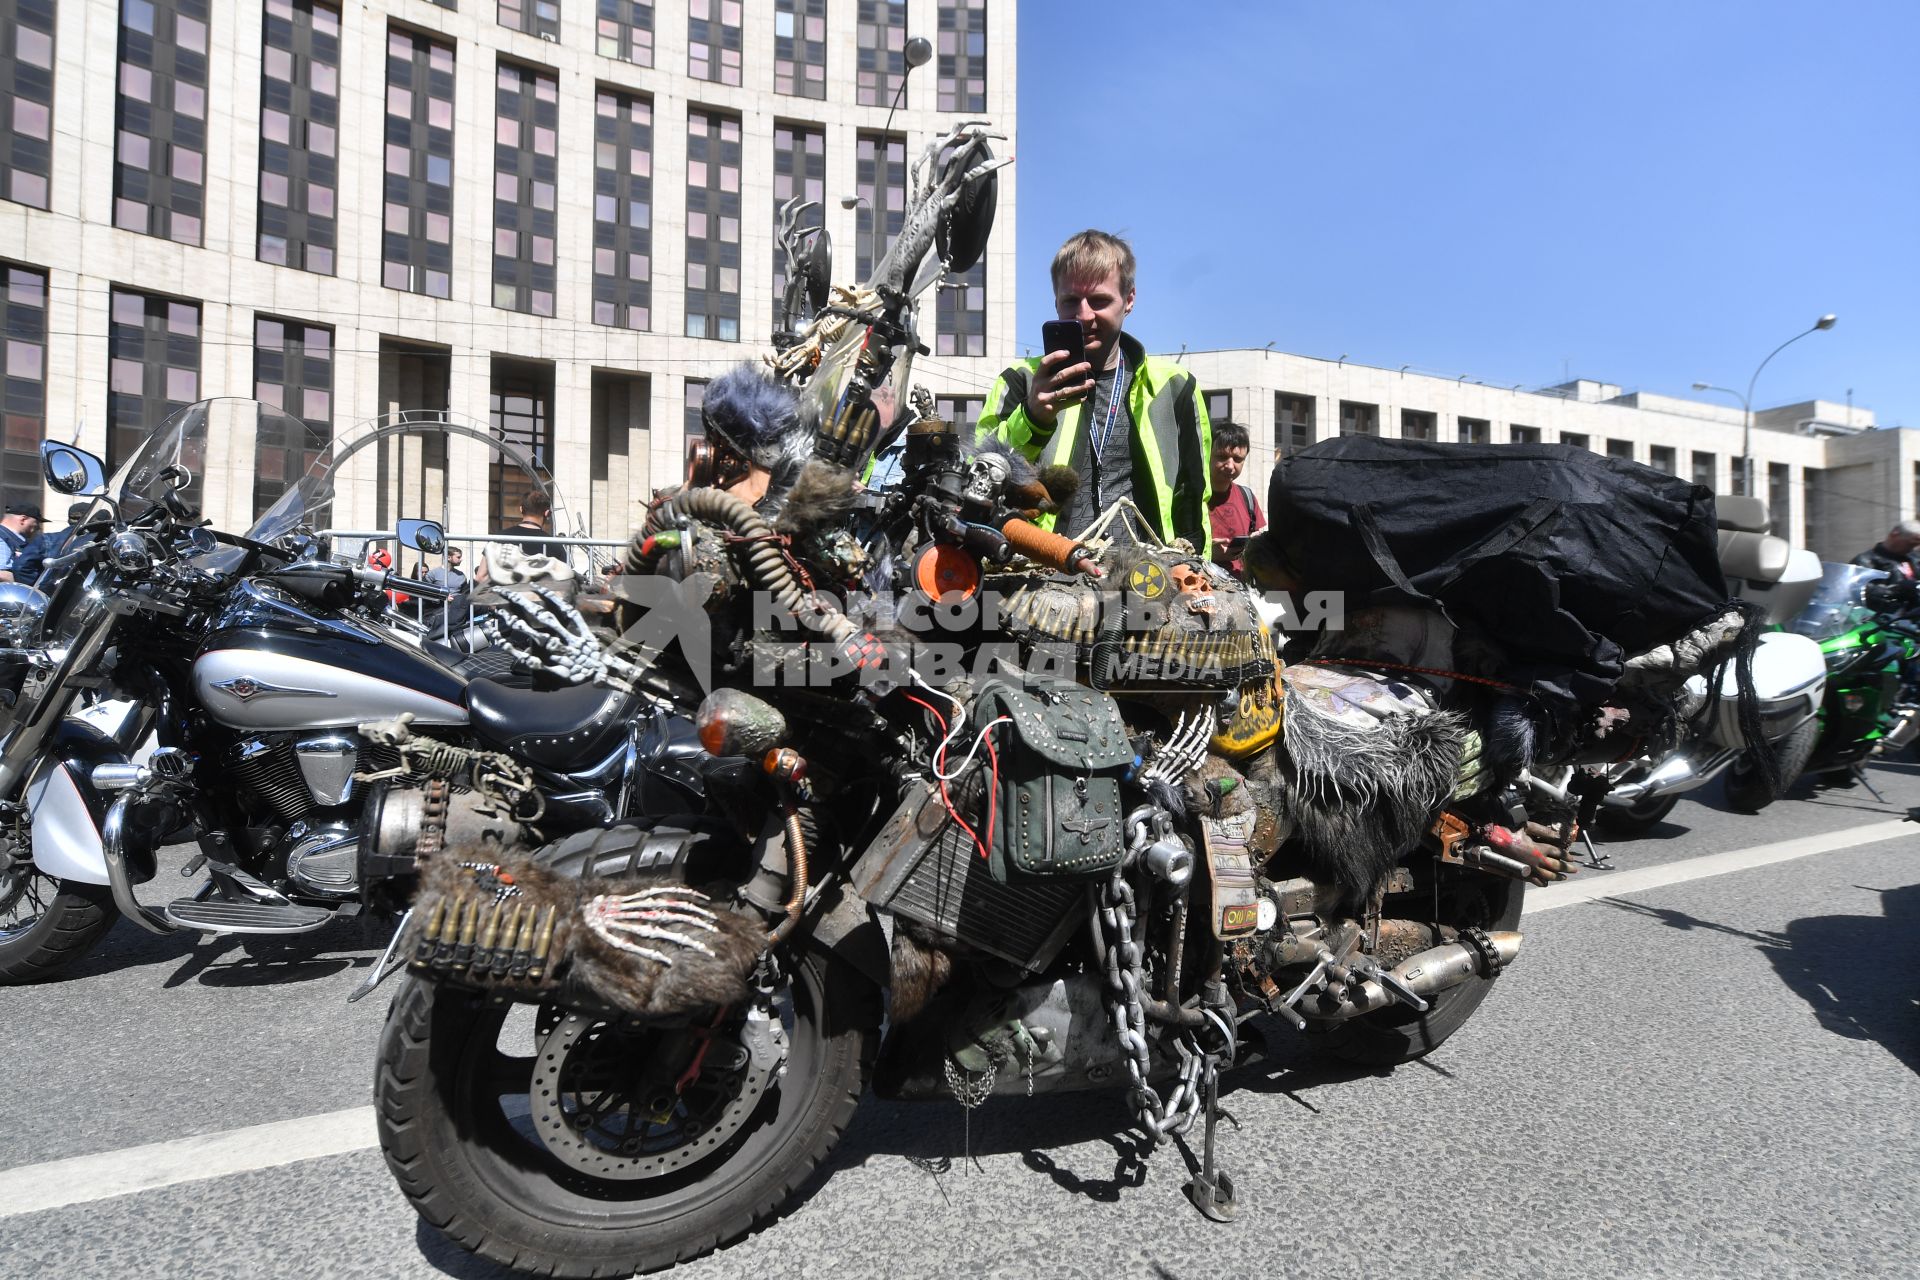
(557, 729)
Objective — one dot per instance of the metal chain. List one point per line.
(1113, 921)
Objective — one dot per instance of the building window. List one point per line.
(416, 243)
(293, 372)
(1517, 434)
(1417, 424)
(1292, 420)
(1661, 458)
(1576, 439)
(713, 226)
(1357, 419)
(886, 191)
(625, 31)
(882, 39)
(800, 48)
(622, 210)
(526, 149)
(160, 138)
(1475, 431)
(1780, 498)
(1219, 405)
(24, 369)
(153, 366)
(961, 315)
(299, 134)
(696, 396)
(521, 412)
(1706, 470)
(1620, 449)
(963, 55)
(713, 40)
(960, 412)
(534, 17)
(26, 110)
(799, 169)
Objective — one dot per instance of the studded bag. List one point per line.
(1061, 761)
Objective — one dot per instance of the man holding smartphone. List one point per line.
(1235, 512)
(1131, 425)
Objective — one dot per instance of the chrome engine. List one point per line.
(291, 777)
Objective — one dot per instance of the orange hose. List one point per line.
(1037, 544)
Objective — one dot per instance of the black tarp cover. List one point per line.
(1566, 560)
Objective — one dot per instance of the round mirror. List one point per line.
(71, 470)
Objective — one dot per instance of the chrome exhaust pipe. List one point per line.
(1676, 774)
(1904, 731)
(1425, 974)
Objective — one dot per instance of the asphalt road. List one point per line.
(1709, 1077)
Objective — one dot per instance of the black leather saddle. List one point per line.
(558, 729)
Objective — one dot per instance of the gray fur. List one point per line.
(1361, 798)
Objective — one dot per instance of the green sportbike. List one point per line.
(1872, 704)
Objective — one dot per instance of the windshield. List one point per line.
(1839, 605)
(249, 442)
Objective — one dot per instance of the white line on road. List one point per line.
(83, 1179)
(1613, 884)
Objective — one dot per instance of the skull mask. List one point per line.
(986, 475)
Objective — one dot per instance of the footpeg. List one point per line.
(216, 916)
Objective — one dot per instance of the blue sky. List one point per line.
(1641, 193)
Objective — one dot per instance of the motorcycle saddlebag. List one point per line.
(1060, 759)
(1564, 560)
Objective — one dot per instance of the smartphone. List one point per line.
(1064, 335)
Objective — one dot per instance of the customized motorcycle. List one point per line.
(283, 707)
(1057, 844)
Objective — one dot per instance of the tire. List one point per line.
(496, 1188)
(1747, 791)
(1634, 821)
(1397, 1034)
(48, 924)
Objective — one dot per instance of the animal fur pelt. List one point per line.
(1362, 789)
(645, 947)
(920, 969)
(1036, 491)
(821, 496)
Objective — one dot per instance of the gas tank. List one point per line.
(270, 663)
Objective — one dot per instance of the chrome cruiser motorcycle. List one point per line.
(1087, 854)
(281, 708)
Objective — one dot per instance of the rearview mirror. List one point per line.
(70, 469)
(424, 536)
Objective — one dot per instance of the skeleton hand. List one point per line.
(549, 635)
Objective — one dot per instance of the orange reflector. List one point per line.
(940, 569)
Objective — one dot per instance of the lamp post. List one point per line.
(1746, 401)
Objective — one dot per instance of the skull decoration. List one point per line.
(987, 474)
(1192, 582)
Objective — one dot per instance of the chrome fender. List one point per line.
(66, 813)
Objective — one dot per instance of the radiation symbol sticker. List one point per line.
(1149, 581)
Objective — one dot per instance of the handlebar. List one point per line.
(415, 587)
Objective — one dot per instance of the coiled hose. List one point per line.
(758, 555)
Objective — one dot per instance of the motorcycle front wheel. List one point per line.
(576, 1160)
(45, 924)
(1397, 1034)
(1635, 820)
(1747, 791)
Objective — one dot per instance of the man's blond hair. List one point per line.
(1089, 256)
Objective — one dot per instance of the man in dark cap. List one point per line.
(49, 544)
(17, 528)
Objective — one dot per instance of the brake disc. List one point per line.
(597, 1129)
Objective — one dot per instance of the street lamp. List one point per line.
(1746, 401)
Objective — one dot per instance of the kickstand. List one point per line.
(1212, 1191)
(389, 963)
(1596, 861)
(1861, 773)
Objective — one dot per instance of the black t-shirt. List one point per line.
(535, 546)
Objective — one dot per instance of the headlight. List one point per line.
(130, 552)
(22, 611)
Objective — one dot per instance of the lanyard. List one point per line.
(1099, 442)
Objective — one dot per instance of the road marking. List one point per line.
(83, 1179)
(1614, 884)
(59, 1183)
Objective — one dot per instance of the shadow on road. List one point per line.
(1857, 972)
(234, 961)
